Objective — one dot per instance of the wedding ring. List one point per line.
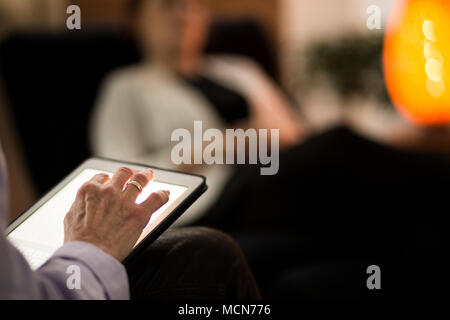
(136, 184)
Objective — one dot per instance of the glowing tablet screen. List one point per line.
(42, 233)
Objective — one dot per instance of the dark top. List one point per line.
(229, 104)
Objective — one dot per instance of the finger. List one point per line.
(121, 177)
(142, 178)
(101, 178)
(88, 186)
(155, 201)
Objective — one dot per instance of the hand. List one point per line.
(107, 216)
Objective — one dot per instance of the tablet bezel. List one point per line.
(195, 184)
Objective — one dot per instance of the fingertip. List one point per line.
(156, 200)
(165, 194)
(149, 172)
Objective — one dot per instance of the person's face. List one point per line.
(172, 28)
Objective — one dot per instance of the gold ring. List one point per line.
(136, 184)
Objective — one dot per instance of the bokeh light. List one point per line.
(416, 60)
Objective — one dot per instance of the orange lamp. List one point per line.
(417, 60)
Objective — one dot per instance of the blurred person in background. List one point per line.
(177, 84)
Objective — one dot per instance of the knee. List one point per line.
(204, 242)
(206, 257)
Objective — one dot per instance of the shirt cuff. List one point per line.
(110, 272)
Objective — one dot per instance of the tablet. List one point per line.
(39, 231)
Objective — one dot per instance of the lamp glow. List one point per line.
(417, 60)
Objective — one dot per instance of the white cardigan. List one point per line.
(140, 106)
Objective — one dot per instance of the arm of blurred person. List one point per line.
(269, 107)
(116, 126)
(99, 233)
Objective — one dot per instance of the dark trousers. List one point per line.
(192, 264)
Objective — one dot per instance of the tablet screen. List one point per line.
(42, 233)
